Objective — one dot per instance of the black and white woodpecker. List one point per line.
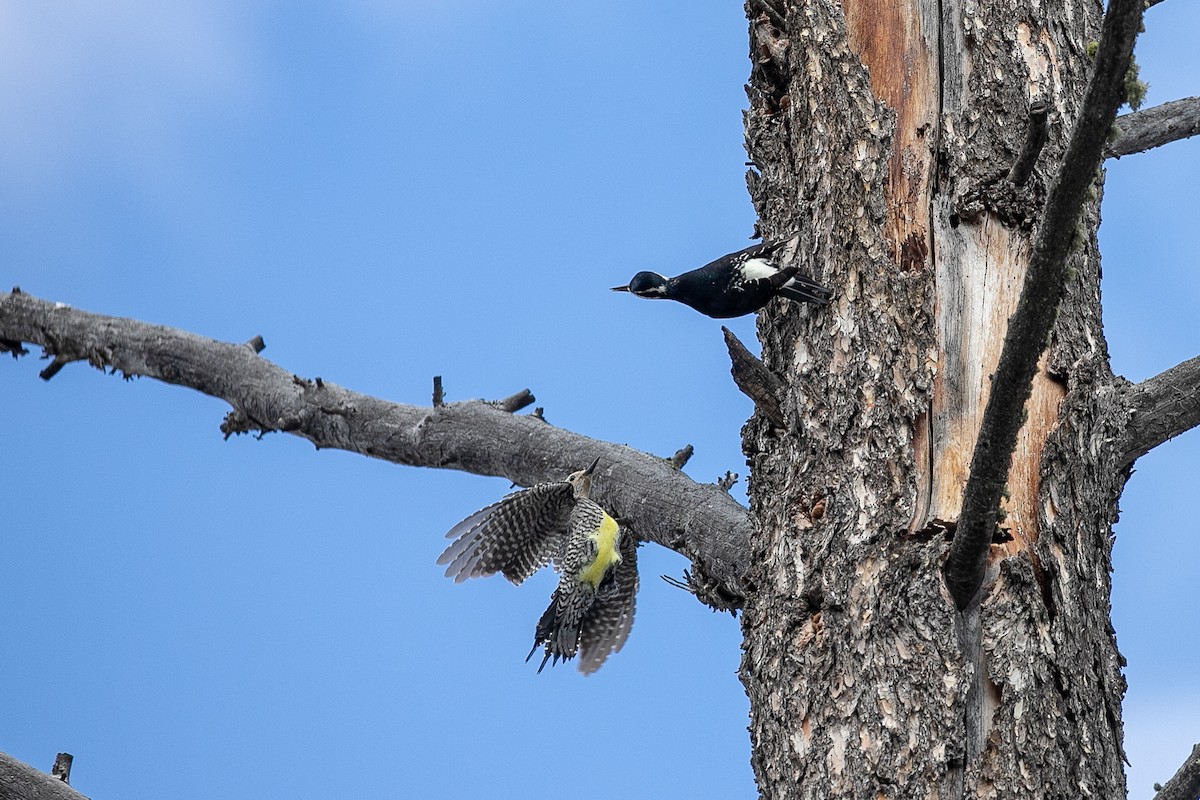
(733, 285)
(591, 611)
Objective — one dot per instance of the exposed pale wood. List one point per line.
(980, 266)
(897, 42)
(1028, 331)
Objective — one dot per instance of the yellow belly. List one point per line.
(605, 538)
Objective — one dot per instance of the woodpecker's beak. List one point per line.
(589, 470)
(620, 288)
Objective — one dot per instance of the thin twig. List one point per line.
(54, 367)
(8, 346)
(1045, 283)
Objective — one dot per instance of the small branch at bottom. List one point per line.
(62, 767)
(755, 380)
(1185, 783)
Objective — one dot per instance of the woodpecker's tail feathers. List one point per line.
(805, 290)
(784, 276)
(517, 536)
(558, 630)
(549, 635)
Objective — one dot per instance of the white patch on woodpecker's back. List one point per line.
(755, 269)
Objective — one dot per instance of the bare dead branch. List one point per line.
(1139, 131)
(1185, 783)
(659, 502)
(681, 456)
(516, 402)
(256, 344)
(1035, 140)
(439, 397)
(1045, 283)
(19, 781)
(1161, 408)
(62, 767)
(755, 380)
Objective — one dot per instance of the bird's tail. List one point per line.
(805, 290)
(558, 635)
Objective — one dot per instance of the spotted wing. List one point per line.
(517, 536)
(607, 623)
(762, 250)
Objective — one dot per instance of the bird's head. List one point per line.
(645, 284)
(582, 480)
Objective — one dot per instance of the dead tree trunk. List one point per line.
(885, 133)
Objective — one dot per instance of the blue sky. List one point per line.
(385, 192)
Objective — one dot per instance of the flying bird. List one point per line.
(733, 285)
(591, 610)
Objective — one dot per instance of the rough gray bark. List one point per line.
(20, 781)
(649, 494)
(884, 132)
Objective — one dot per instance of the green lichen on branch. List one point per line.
(1135, 89)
